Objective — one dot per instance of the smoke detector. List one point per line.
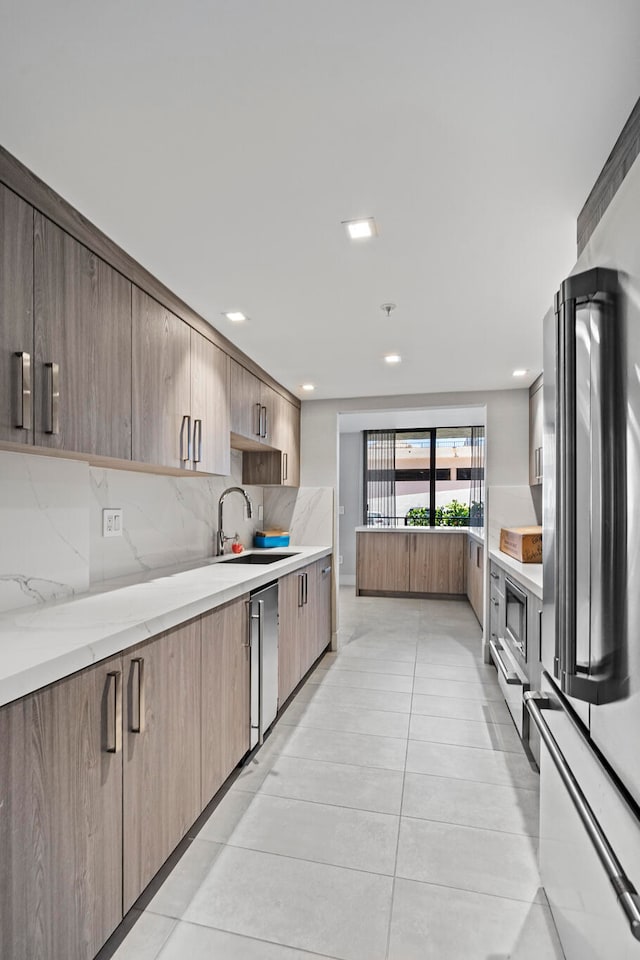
(387, 308)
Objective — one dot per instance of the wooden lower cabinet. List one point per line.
(404, 563)
(437, 563)
(382, 562)
(61, 819)
(475, 577)
(225, 684)
(304, 611)
(161, 775)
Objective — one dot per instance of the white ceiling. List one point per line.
(222, 142)
(407, 419)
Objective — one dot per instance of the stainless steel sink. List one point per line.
(258, 557)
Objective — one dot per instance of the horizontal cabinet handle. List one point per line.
(509, 676)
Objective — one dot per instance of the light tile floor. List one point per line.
(391, 815)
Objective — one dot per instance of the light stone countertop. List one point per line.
(529, 575)
(404, 529)
(42, 644)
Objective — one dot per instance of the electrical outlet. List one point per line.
(341, 511)
(112, 522)
(339, 559)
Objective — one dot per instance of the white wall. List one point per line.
(507, 434)
(350, 496)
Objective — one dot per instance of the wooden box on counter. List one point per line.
(522, 543)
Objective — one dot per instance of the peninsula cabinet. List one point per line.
(475, 577)
(161, 384)
(225, 691)
(16, 318)
(82, 339)
(61, 818)
(410, 563)
(161, 767)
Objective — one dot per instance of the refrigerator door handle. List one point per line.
(626, 893)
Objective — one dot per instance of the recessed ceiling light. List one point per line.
(308, 387)
(393, 358)
(520, 373)
(235, 316)
(361, 229)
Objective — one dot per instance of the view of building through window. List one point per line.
(424, 477)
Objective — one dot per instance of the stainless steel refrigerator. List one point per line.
(588, 707)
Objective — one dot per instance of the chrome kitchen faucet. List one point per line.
(221, 539)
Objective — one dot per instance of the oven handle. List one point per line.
(625, 891)
(509, 677)
(514, 588)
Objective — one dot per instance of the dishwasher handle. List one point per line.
(626, 893)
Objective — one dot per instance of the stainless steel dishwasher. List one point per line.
(263, 629)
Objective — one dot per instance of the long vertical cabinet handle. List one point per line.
(138, 696)
(261, 654)
(114, 712)
(301, 589)
(285, 466)
(53, 394)
(265, 423)
(259, 410)
(23, 418)
(197, 441)
(306, 588)
(185, 439)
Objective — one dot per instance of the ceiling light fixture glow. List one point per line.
(235, 316)
(393, 358)
(361, 229)
(308, 387)
(520, 373)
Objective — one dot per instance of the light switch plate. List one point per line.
(341, 511)
(112, 522)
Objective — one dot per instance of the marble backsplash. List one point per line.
(508, 507)
(166, 520)
(306, 512)
(44, 529)
(51, 543)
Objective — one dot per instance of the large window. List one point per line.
(428, 477)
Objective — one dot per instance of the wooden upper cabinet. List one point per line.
(210, 407)
(536, 431)
(161, 384)
(161, 775)
(291, 447)
(226, 694)
(280, 466)
(82, 336)
(246, 403)
(438, 563)
(16, 317)
(61, 818)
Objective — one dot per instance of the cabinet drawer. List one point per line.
(513, 685)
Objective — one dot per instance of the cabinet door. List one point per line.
(226, 692)
(290, 633)
(82, 347)
(322, 613)
(382, 562)
(210, 411)
(290, 431)
(16, 317)
(61, 818)
(536, 428)
(161, 384)
(437, 563)
(162, 793)
(246, 403)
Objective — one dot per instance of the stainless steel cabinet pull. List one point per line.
(138, 698)
(326, 570)
(495, 576)
(265, 423)
(53, 373)
(495, 602)
(114, 712)
(306, 588)
(197, 441)
(625, 891)
(509, 676)
(259, 420)
(285, 466)
(301, 589)
(23, 418)
(185, 439)
(247, 643)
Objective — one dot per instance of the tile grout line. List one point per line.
(404, 778)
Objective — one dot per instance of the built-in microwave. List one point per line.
(516, 619)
